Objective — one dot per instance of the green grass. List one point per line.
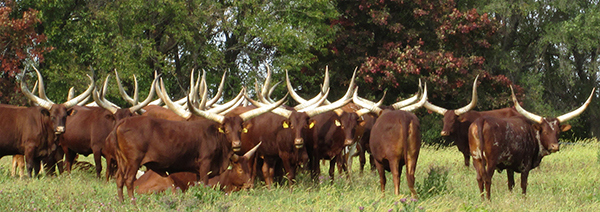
(565, 181)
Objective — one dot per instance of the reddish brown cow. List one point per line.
(32, 131)
(457, 122)
(202, 146)
(395, 141)
(93, 125)
(516, 144)
(234, 179)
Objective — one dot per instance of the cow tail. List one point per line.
(476, 139)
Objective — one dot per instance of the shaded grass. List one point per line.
(565, 181)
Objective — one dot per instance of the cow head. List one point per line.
(452, 118)
(239, 175)
(549, 129)
(58, 112)
(347, 122)
(297, 122)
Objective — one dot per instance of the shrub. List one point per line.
(434, 183)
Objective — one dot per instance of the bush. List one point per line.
(435, 183)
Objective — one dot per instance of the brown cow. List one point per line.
(395, 141)
(32, 131)
(200, 145)
(516, 144)
(233, 179)
(457, 122)
(93, 125)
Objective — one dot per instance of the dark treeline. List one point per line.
(548, 49)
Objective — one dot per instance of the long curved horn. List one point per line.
(42, 88)
(103, 104)
(326, 80)
(315, 101)
(170, 104)
(473, 103)
(219, 91)
(124, 94)
(265, 88)
(41, 102)
(326, 108)
(100, 100)
(227, 105)
(317, 104)
(210, 116)
(408, 101)
(271, 90)
(252, 151)
(204, 94)
(148, 99)
(194, 87)
(578, 111)
(233, 107)
(293, 93)
(367, 105)
(528, 115)
(418, 104)
(70, 95)
(258, 111)
(82, 96)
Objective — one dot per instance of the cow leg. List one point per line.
(119, 178)
(69, 159)
(362, 159)
(480, 169)
(268, 172)
(129, 180)
(463, 147)
(18, 165)
(511, 179)
(411, 167)
(289, 169)
(524, 176)
(98, 161)
(396, 169)
(488, 179)
(372, 162)
(332, 167)
(381, 171)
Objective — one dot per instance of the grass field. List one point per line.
(565, 181)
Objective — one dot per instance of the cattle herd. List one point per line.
(197, 141)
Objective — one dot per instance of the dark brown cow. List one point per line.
(203, 146)
(395, 141)
(93, 125)
(32, 131)
(516, 144)
(457, 122)
(234, 179)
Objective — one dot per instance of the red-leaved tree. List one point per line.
(395, 42)
(18, 42)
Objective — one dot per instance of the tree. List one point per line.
(19, 42)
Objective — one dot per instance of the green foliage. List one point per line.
(434, 184)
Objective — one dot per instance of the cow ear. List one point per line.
(245, 127)
(311, 124)
(221, 130)
(462, 118)
(565, 127)
(537, 127)
(110, 117)
(285, 124)
(338, 123)
(44, 111)
(71, 112)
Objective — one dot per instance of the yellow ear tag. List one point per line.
(337, 123)
(221, 130)
(285, 125)
(245, 130)
(312, 124)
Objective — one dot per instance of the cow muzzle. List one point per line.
(299, 143)
(59, 130)
(445, 133)
(236, 146)
(348, 142)
(554, 148)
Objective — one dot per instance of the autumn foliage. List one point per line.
(18, 42)
(396, 42)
